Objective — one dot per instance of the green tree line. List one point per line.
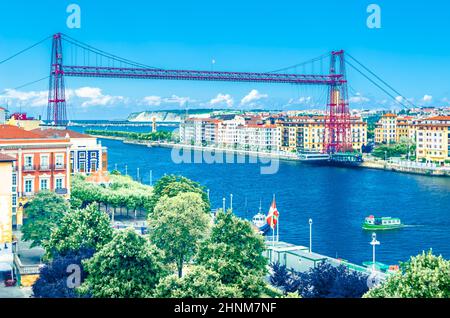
(151, 136)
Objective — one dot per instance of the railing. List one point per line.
(59, 167)
(44, 167)
(29, 168)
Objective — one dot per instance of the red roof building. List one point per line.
(41, 163)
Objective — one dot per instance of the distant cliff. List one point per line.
(169, 115)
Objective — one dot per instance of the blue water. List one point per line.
(337, 199)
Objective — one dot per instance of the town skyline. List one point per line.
(400, 47)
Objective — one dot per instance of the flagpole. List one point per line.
(278, 229)
(272, 225)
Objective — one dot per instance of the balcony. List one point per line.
(59, 167)
(29, 168)
(44, 168)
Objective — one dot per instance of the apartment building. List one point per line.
(307, 133)
(6, 194)
(199, 131)
(386, 129)
(87, 155)
(41, 164)
(433, 139)
(405, 129)
(254, 137)
(228, 131)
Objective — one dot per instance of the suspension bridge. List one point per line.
(88, 61)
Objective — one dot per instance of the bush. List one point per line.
(53, 277)
(323, 281)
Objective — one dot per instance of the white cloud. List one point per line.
(30, 98)
(221, 99)
(84, 96)
(253, 96)
(88, 92)
(399, 99)
(427, 98)
(152, 100)
(358, 98)
(95, 97)
(174, 99)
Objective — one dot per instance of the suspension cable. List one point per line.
(380, 79)
(376, 84)
(321, 57)
(103, 53)
(24, 50)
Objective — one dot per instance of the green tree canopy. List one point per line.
(43, 213)
(123, 191)
(423, 276)
(177, 225)
(127, 267)
(172, 185)
(86, 228)
(235, 251)
(198, 282)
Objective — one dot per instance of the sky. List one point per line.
(411, 52)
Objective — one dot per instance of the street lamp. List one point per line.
(374, 243)
(310, 235)
(223, 204)
(231, 202)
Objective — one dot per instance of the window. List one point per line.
(44, 162)
(93, 155)
(59, 160)
(14, 200)
(28, 162)
(14, 179)
(59, 183)
(43, 184)
(28, 186)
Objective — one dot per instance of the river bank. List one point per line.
(369, 163)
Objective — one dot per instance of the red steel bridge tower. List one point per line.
(56, 108)
(337, 134)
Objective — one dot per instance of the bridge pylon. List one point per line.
(56, 107)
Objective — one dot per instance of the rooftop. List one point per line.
(14, 132)
(59, 133)
(6, 158)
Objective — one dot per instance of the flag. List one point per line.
(272, 216)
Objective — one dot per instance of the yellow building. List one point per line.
(307, 133)
(6, 172)
(386, 129)
(433, 139)
(26, 124)
(405, 129)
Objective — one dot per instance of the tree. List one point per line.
(44, 213)
(127, 267)
(285, 279)
(423, 276)
(172, 185)
(53, 277)
(199, 282)
(177, 225)
(235, 251)
(86, 228)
